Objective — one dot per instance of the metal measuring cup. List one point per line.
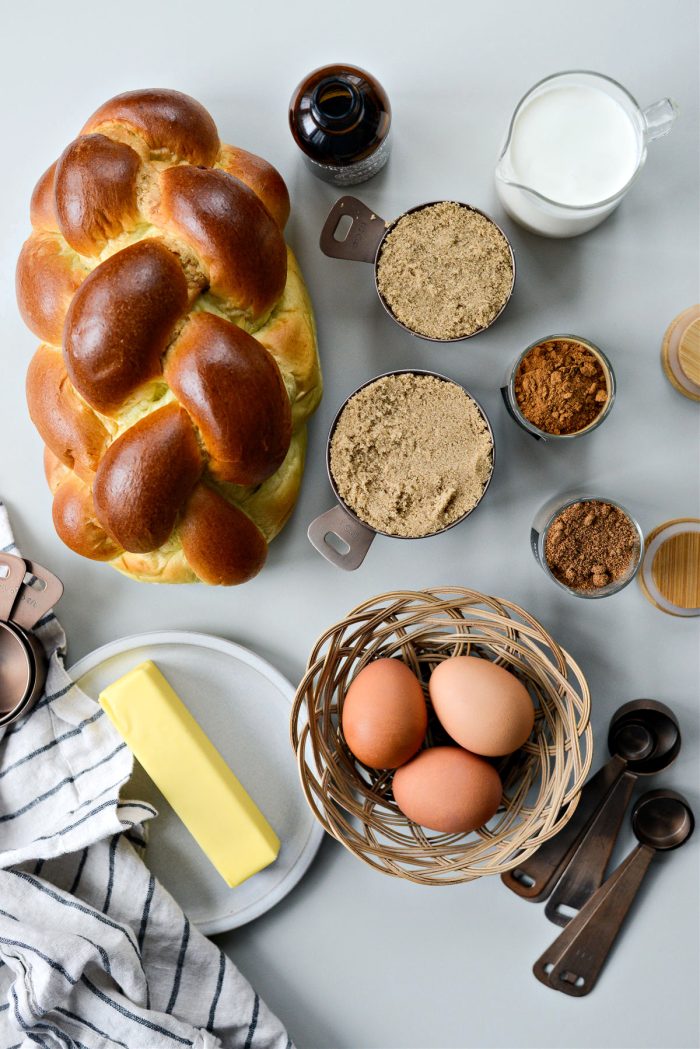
(27, 592)
(353, 537)
(363, 243)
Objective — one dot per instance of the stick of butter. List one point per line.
(190, 773)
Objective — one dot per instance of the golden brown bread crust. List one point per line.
(290, 336)
(179, 363)
(42, 206)
(173, 126)
(67, 425)
(47, 278)
(270, 504)
(76, 524)
(145, 478)
(261, 177)
(120, 322)
(232, 233)
(233, 391)
(95, 192)
(221, 543)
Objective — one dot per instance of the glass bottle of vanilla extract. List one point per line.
(340, 118)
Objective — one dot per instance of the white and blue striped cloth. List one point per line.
(94, 953)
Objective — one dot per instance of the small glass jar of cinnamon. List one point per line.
(589, 545)
(559, 388)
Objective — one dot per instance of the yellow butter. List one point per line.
(190, 773)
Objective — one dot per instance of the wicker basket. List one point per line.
(542, 781)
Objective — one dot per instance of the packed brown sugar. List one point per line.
(445, 271)
(411, 454)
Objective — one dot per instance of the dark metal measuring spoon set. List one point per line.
(569, 869)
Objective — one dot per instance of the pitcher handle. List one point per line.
(350, 533)
(659, 118)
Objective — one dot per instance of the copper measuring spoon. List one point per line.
(661, 820)
(643, 738)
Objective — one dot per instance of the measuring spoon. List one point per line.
(648, 739)
(661, 820)
(639, 732)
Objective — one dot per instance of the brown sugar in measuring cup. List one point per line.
(340, 534)
(366, 236)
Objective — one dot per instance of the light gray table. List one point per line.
(353, 958)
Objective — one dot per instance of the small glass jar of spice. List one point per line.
(559, 388)
(588, 545)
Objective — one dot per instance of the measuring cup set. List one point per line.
(339, 534)
(643, 739)
(27, 592)
(354, 232)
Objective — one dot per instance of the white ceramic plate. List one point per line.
(243, 704)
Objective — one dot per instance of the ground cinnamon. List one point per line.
(591, 544)
(560, 386)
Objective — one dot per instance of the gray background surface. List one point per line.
(353, 958)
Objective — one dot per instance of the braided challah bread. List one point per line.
(178, 362)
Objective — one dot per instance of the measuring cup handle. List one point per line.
(32, 604)
(587, 869)
(362, 239)
(659, 118)
(12, 572)
(574, 961)
(535, 877)
(347, 531)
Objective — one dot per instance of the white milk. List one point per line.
(577, 146)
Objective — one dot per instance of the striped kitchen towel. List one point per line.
(94, 953)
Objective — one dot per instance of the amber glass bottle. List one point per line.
(340, 117)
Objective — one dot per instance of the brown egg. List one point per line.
(384, 714)
(448, 789)
(482, 706)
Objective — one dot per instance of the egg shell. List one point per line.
(384, 717)
(482, 706)
(448, 789)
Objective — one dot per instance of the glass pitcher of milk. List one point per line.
(575, 145)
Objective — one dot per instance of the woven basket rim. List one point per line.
(542, 781)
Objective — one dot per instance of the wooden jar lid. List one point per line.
(680, 352)
(670, 572)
